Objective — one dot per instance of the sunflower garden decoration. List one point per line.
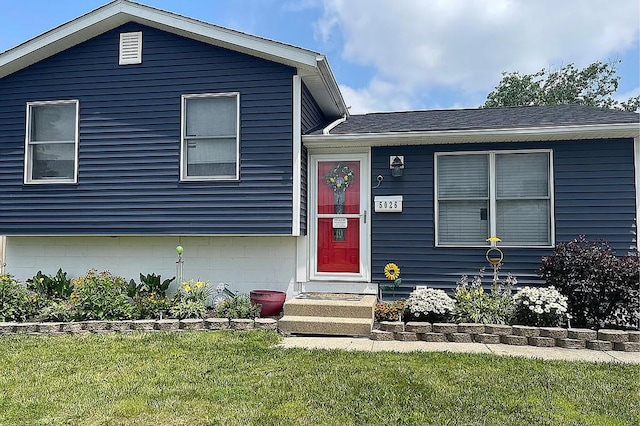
(392, 273)
(339, 179)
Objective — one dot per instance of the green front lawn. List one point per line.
(201, 378)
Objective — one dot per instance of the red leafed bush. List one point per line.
(603, 289)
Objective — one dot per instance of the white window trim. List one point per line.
(27, 158)
(492, 196)
(183, 127)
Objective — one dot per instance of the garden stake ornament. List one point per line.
(179, 264)
(494, 256)
(392, 273)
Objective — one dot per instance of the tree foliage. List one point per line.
(593, 85)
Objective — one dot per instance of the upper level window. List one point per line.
(503, 193)
(210, 135)
(51, 142)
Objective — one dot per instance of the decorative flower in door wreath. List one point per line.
(339, 179)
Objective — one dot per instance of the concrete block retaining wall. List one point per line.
(100, 327)
(573, 338)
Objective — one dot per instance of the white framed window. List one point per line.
(210, 147)
(51, 143)
(508, 194)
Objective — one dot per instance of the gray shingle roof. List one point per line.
(488, 118)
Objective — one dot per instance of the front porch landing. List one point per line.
(336, 314)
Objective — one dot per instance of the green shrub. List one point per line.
(16, 302)
(189, 301)
(182, 309)
(100, 296)
(474, 304)
(150, 283)
(51, 287)
(197, 291)
(602, 289)
(389, 311)
(151, 306)
(237, 307)
(55, 310)
(149, 297)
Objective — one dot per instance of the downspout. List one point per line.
(333, 125)
(3, 252)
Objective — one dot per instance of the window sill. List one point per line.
(211, 179)
(50, 182)
(501, 246)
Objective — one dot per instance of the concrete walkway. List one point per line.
(365, 344)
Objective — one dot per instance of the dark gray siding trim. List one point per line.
(129, 145)
(594, 195)
(312, 116)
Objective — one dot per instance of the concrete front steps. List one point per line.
(333, 315)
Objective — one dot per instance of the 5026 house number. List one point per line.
(388, 204)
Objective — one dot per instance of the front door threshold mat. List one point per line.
(331, 296)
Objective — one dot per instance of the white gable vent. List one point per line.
(130, 48)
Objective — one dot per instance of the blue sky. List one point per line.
(410, 54)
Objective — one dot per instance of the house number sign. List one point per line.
(388, 204)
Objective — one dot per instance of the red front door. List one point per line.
(338, 216)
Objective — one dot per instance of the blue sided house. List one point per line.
(130, 130)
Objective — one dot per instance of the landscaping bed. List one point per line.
(519, 335)
(125, 326)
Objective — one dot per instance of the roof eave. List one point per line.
(523, 134)
(309, 65)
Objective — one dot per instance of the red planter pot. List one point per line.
(270, 300)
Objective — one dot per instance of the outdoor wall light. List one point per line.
(396, 164)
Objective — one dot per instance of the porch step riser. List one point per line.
(325, 326)
(333, 311)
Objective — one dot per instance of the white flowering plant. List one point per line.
(540, 307)
(429, 304)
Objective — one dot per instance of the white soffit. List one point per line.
(311, 66)
(532, 134)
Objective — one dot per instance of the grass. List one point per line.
(209, 378)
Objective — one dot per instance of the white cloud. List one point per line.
(420, 47)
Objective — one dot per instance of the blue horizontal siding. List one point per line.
(311, 118)
(129, 146)
(594, 196)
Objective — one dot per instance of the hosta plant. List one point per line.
(237, 307)
(190, 300)
(182, 309)
(57, 310)
(429, 304)
(540, 307)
